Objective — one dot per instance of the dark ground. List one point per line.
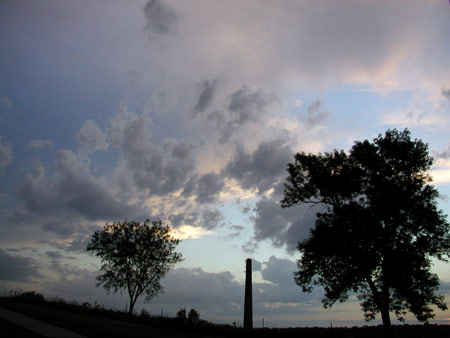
(99, 322)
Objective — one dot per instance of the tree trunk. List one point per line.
(387, 326)
(382, 302)
(131, 308)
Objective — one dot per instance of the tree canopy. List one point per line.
(135, 257)
(379, 227)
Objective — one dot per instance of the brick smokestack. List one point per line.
(248, 305)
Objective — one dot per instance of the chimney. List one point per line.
(248, 305)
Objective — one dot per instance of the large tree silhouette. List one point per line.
(379, 227)
(135, 257)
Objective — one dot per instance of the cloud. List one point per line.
(5, 104)
(6, 155)
(81, 193)
(75, 243)
(161, 19)
(204, 217)
(263, 169)
(283, 227)
(323, 44)
(39, 143)
(246, 103)
(154, 166)
(62, 202)
(250, 247)
(91, 137)
(218, 296)
(316, 113)
(418, 118)
(79, 284)
(190, 232)
(279, 271)
(245, 106)
(237, 230)
(441, 175)
(443, 154)
(206, 188)
(446, 93)
(212, 294)
(54, 255)
(17, 268)
(256, 266)
(207, 91)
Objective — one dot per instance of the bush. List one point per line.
(31, 296)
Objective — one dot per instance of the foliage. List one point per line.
(181, 315)
(104, 323)
(379, 227)
(135, 257)
(30, 296)
(193, 317)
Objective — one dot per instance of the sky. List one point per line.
(189, 111)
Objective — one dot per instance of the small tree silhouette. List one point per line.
(135, 257)
(193, 318)
(181, 316)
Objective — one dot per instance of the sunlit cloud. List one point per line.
(441, 176)
(190, 232)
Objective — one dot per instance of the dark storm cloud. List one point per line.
(279, 271)
(17, 268)
(207, 91)
(78, 243)
(216, 295)
(246, 103)
(56, 255)
(206, 188)
(79, 284)
(262, 169)
(200, 289)
(256, 266)
(446, 93)
(209, 187)
(155, 167)
(244, 106)
(161, 19)
(219, 295)
(282, 226)
(197, 216)
(61, 201)
(176, 219)
(83, 195)
(211, 218)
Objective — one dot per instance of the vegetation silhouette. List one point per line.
(97, 321)
(135, 257)
(379, 227)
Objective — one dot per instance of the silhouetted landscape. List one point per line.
(93, 320)
(257, 168)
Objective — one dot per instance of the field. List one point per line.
(95, 321)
